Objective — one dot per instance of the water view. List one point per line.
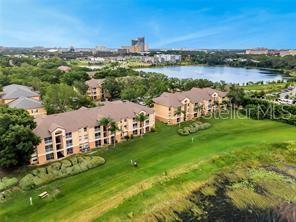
(218, 73)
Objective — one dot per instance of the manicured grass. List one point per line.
(87, 196)
(268, 88)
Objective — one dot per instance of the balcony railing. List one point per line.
(48, 149)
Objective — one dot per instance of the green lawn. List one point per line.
(268, 88)
(97, 192)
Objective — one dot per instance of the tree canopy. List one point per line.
(17, 140)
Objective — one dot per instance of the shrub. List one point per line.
(126, 137)
(6, 183)
(27, 182)
(71, 166)
(183, 132)
(193, 128)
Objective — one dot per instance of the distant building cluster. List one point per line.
(265, 51)
(257, 51)
(156, 59)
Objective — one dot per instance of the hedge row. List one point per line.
(73, 165)
(193, 128)
(6, 183)
(262, 109)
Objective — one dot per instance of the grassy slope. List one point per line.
(87, 196)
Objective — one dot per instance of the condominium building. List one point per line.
(22, 97)
(80, 131)
(64, 68)
(163, 58)
(95, 89)
(288, 53)
(257, 51)
(173, 108)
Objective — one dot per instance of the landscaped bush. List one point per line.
(67, 167)
(193, 128)
(263, 109)
(183, 132)
(6, 183)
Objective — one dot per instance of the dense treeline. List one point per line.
(263, 109)
(44, 76)
(144, 87)
(240, 60)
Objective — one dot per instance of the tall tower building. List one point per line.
(138, 45)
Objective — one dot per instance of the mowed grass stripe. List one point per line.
(156, 152)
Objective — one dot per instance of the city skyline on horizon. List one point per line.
(166, 24)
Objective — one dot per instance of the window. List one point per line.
(98, 143)
(135, 132)
(97, 135)
(48, 148)
(178, 120)
(97, 128)
(69, 143)
(47, 140)
(86, 137)
(69, 151)
(85, 129)
(34, 160)
(49, 156)
(84, 147)
(34, 110)
(69, 135)
(135, 125)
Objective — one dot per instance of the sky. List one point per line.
(218, 24)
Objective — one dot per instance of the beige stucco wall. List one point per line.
(78, 137)
(40, 112)
(98, 92)
(167, 114)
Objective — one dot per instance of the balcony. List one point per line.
(69, 144)
(48, 148)
(48, 140)
(69, 135)
(97, 136)
(97, 129)
(59, 147)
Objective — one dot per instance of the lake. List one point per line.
(217, 73)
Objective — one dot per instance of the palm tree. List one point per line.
(113, 128)
(178, 112)
(141, 118)
(198, 107)
(105, 122)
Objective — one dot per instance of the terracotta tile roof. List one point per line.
(87, 117)
(194, 95)
(93, 83)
